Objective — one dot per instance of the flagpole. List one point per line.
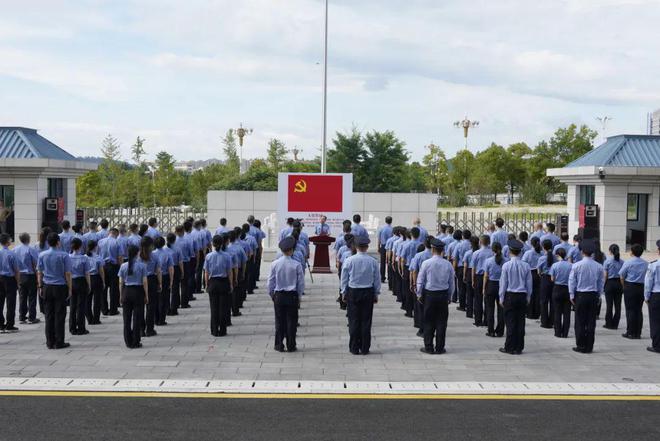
(325, 93)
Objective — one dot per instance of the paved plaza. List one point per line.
(185, 349)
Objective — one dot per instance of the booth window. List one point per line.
(56, 187)
(587, 194)
(633, 207)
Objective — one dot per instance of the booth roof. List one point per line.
(26, 143)
(623, 151)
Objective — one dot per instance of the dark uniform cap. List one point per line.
(515, 245)
(437, 244)
(657, 243)
(588, 246)
(288, 243)
(362, 241)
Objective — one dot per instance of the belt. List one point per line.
(635, 283)
(219, 278)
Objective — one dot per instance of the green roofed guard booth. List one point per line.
(621, 178)
(32, 169)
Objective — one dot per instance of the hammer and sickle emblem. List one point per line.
(300, 187)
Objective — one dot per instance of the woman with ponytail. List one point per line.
(559, 274)
(133, 295)
(545, 292)
(532, 258)
(177, 261)
(613, 287)
(467, 276)
(80, 267)
(97, 283)
(166, 264)
(492, 274)
(154, 284)
(217, 271)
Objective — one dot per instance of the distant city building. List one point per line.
(654, 123)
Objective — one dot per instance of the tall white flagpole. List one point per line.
(325, 94)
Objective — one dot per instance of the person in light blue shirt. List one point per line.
(184, 246)
(467, 277)
(288, 228)
(532, 257)
(652, 296)
(423, 253)
(217, 273)
(322, 228)
(559, 274)
(174, 250)
(515, 293)
(545, 287)
(479, 257)
(152, 231)
(54, 284)
(433, 287)
(240, 260)
(585, 286)
(166, 264)
(423, 233)
(9, 279)
(538, 230)
(613, 287)
(133, 238)
(632, 274)
(97, 284)
(357, 229)
(575, 255)
(103, 232)
(134, 295)
(384, 234)
(27, 258)
(65, 236)
(80, 280)
(112, 256)
(154, 284)
(346, 229)
(550, 235)
(458, 261)
(449, 238)
(392, 274)
(286, 285)
(563, 244)
(222, 229)
(500, 235)
(407, 252)
(491, 283)
(360, 287)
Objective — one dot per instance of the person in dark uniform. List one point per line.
(435, 282)
(27, 261)
(531, 257)
(585, 286)
(632, 275)
(467, 276)
(134, 295)
(10, 276)
(177, 260)
(458, 261)
(652, 297)
(613, 288)
(112, 256)
(97, 280)
(286, 285)
(384, 233)
(515, 293)
(166, 263)
(491, 284)
(154, 284)
(545, 291)
(360, 284)
(54, 284)
(217, 274)
(80, 281)
(479, 258)
(183, 244)
(559, 273)
(260, 236)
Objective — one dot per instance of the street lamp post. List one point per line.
(466, 125)
(242, 133)
(604, 120)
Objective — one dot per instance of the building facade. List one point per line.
(622, 178)
(654, 123)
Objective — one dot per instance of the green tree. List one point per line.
(416, 181)
(110, 169)
(436, 172)
(230, 151)
(137, 154)
(461, 167)
(490, 175)
(519, 155)
(277, 152)
(348, 156)
(169, 185)
(385, 163)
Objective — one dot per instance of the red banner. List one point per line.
(315, 193)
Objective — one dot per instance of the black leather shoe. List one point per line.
(279, 348)
(420, 333)
(626, 335)
(440, 351)
(504, 351)
(427, 350)
(490, 334)
(580, 350)
(652, 349)
(83, 332)
(355, 352)
(11, 328)
(62, 346)
(150, 333)
(293, 349)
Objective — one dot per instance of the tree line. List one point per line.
(379, 162)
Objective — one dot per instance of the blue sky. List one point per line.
(181, 73)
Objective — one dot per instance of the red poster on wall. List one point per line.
(322, 193)
(60, 210)
(581, 216)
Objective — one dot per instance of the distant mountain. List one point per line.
(93, 159)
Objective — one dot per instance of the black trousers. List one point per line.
(163, 300)
(418, 314)
(196, 280)
(454, 293)
(613, 295)
(94, 300)
(27, 289)
(396, 283)
(199, 272)
(286, 318)
(478, 308)
(253, 274)
(186, 283)
(8, 290)
(382, 253)
(249, 276)
(152, 306)
(409, 298)
(654, 319)
(633, 297)
(547, 307)
(55, 311)
(112, 283)
(219, 301)
(534, 306)
(469, 294)
(175, 295)
(237, 294)
(390, 277)
(436, 314)
(460, 286)
(562, 310)
(258, 264)
(586, 308)
(515, 306)
(360, 312)
(493, 308)
(78, 305)
(133, 312)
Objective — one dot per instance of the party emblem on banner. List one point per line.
(300, 186)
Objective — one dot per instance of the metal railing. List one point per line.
(168, 217)
(513, 222)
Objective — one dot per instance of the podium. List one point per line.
(321, 253)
